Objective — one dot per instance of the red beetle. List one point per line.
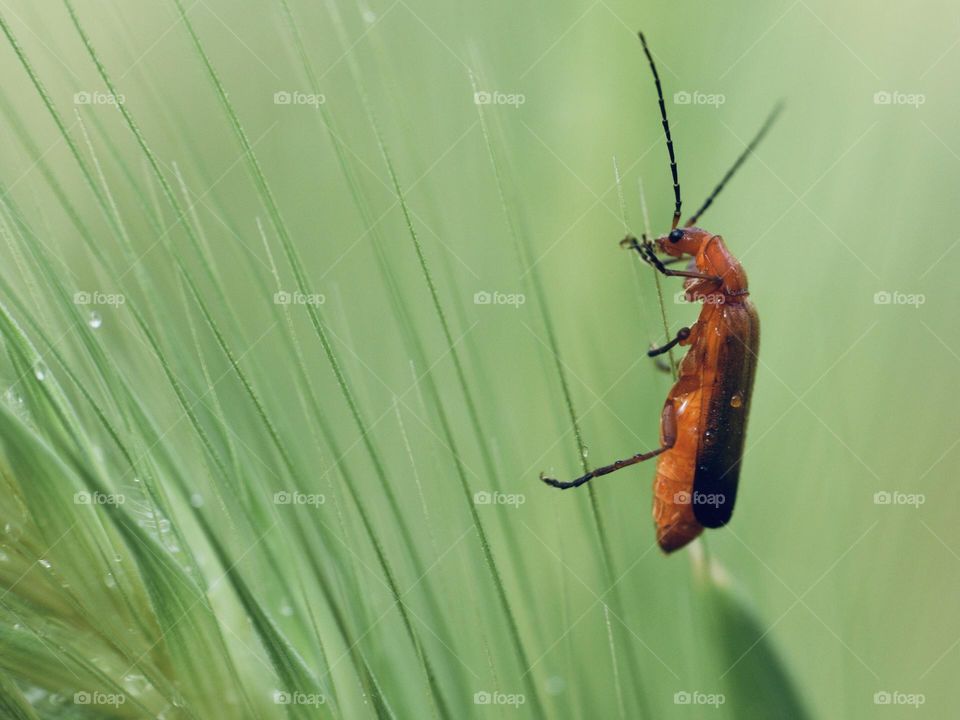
(704, 419)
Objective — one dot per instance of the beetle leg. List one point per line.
(668, 429)
(663, 269)
(631, 243)
(649, 255)
(682, 334)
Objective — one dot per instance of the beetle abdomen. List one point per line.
(727, 394)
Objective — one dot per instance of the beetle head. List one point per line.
(682, 241)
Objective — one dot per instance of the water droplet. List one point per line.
(286, 610)
(369, 16)
(109, 580)
(196, 500)
(135, 683)
(94, 320)
(46, 563)
(39, 371)
(736, 401)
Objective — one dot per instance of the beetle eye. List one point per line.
(676, 235)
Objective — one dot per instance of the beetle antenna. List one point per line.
(736, 166)
(666, 130)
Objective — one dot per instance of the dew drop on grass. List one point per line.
(109, 580)
(45, 563)
(736, 401)
(286, 610)
(135, 683)
(94, 320)
(40, 371)
(196, 500)
(369, 16)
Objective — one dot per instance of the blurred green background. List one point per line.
(817, 597)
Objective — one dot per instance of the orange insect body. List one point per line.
(704, 419)
(726, 332)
